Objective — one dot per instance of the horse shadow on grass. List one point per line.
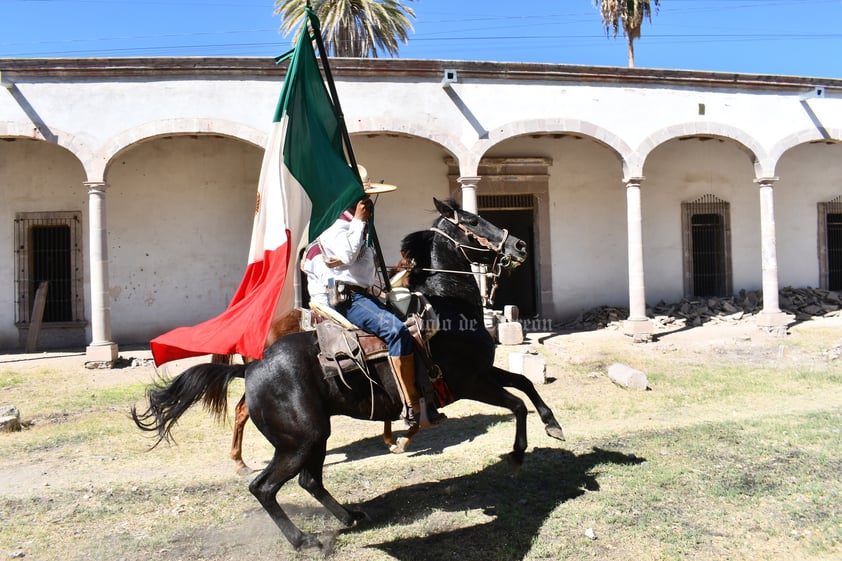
(453, 432)
(516, 507)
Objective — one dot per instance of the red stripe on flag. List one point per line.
(243, 326)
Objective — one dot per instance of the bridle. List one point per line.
(487, 246)
(479, 270)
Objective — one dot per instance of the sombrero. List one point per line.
(374, 188)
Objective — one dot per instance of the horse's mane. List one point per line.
(420, 252)
(415, 247)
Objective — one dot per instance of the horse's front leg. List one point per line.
(518, 408)
(493, 394)
(522, 383)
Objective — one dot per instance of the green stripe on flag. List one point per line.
(313, 150)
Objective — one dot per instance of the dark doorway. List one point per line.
(834, 251)
(517, 287)
(708, 231)
(51, 262)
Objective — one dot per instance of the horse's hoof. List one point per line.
(555, 432)
(400, 446)
(243, 470)
(358, 516)
(309, 543)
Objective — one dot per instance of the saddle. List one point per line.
(344, 348)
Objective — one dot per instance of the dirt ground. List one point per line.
(85, 467)
(737, 340)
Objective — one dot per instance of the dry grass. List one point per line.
(734, 454)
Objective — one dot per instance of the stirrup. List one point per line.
(408, 417)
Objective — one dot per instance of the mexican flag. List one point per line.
(305, 178)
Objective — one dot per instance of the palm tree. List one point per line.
(352, 28)
(628, 15)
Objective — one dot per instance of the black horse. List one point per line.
(291, 402)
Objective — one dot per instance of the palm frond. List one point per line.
(353, 28)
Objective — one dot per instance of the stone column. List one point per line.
(469, 193)
(101, 348)
(637, 325)
(771, 316)
(469, 203)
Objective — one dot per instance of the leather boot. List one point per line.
(404, 370)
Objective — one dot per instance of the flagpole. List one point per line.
(384, 273)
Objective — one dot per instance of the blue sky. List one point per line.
(795, 37)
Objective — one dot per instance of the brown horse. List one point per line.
(280, 328)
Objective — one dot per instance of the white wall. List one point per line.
(810, 174)
(180, 213)
(418, 168)
(682, 171)
(587, 234)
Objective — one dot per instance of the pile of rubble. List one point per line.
(801, 303)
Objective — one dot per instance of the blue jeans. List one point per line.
(368, 313)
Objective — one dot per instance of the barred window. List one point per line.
(830, 244)
(48, 247)
(707, 247)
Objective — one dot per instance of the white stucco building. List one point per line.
(130, 183)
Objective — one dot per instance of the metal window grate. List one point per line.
(505, 202)
(834, 243)
(707, 246)
(48, 248)
(834, 251)
(707, 232)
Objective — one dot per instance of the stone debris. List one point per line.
(119, 362)
(9, 418)
(802, 303)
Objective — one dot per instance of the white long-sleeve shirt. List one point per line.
(345, 242)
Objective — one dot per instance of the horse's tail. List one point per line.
(169, 400)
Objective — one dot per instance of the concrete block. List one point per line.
(511, 312)
(510, 333)
(490, 321)
(627, 377)
(533, 366)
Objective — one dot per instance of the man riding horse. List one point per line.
(341, 273)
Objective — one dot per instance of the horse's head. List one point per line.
(480, 240)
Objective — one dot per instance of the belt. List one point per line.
(357, 289)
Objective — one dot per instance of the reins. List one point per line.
(487, 246)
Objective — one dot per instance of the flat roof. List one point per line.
(400, 67)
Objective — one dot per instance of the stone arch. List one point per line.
(833, 134)
(98, 164)
(533, 126)
(747, 143)
(69, 142)
(411, 128)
